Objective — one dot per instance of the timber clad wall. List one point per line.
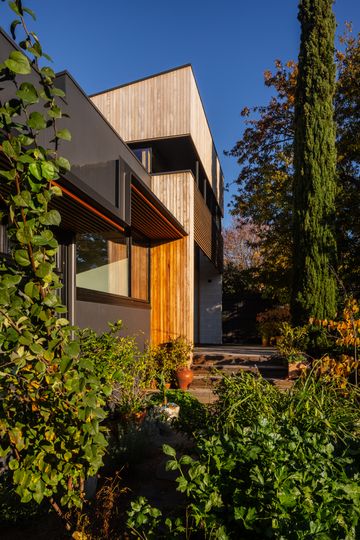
(149, 109)
(166, 105)
(172, 263)
(145, 114)
(202, 224)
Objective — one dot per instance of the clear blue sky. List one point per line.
(230, 43)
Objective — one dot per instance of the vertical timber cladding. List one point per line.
(172, 263)
(164, 105)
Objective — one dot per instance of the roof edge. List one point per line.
(152, 76)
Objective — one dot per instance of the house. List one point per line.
(141, 209)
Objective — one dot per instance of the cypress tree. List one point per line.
(314, 190)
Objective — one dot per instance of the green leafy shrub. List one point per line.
(275, 464)
(124, 371)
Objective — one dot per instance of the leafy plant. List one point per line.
(124, 371)
(345, 334)
(51, 401)
(292, 342)
(193, 415)
(273, 464)
(170, 356)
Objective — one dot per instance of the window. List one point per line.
(139, 268)
(102, 262)
(144, 155)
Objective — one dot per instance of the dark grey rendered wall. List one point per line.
(136, 320)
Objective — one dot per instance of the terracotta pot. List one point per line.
(184, 377)
(264, 341)
(167, 385)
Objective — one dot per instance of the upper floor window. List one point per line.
(144, 155)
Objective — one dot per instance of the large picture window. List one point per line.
(102, 262)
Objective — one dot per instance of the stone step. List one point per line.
(239, 367)
(199, 359)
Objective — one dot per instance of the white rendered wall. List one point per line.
(210, 302)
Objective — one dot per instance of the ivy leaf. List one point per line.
(27, 92)
(35, 170)
(23, 199)
(64, 134)
(39, 366)
(4, 297)
(57, 92)
(18, 63)
(63, 163)
(9, 175)
(48, 72)
(44, 269)
(30, 12)
(15, 8)
(86, 363)
(24, 235)
(51, 218)
(49, 170)
(36, 121)
(8, 149)
(25, 140)
(13, 464)
(56, 190)
(54, 112)
(42, 239)
(22, 257)
(32, 290)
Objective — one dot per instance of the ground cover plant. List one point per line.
(269, 465)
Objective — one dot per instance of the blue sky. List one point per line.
(230, 43)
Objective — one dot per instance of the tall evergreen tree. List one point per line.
(314, 282)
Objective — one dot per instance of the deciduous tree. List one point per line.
(265, 157)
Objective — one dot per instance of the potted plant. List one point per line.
(179, 352)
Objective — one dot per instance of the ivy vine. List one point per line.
(51, 402)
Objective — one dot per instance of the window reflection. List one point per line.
(102, 262)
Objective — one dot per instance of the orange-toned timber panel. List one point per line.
(172, 263)
(172, 291)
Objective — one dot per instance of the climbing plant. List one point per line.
(51, 436)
